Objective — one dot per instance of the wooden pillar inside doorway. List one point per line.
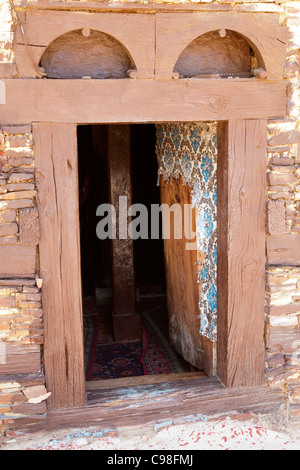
(126, 321)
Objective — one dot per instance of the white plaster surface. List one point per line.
(225, 434)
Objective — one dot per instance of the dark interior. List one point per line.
(96, 262)
(94, 190)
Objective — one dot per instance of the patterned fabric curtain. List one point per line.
(189, 150)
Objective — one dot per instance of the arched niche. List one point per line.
(222, 53)
(86, 53)
(264, 35)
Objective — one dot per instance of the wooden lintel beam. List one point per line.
(126, 100)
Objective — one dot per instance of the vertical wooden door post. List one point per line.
(241, 251)
(57, 184)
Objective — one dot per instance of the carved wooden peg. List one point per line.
(259, 73)
(86, 32)
(132, 73)
(276, 217)
(29, 226)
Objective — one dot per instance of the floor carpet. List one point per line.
(158, 355)
(108, 359)
(115, 359)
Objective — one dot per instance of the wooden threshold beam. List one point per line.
(126, 100)
(126, 382)
(152, 405)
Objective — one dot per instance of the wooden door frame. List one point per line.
(241, 106)
(241, 256)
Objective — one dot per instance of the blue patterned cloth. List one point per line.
(189, 150)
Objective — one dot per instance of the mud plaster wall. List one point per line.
(91, 53)
(22, 391)
(6, 33)
(229, 54)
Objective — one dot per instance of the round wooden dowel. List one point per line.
(86, 32)
(259, 73)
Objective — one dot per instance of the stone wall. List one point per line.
(22, 384)
(282, 333)
(6, 39)
(20, 299)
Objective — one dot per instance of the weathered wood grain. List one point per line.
(28, 58)
(126, 321)
(285, 339)
(29, 226)
(163, 35)
(276, 217)
(126, 382)
(19, 358)
(136, 34)
(181, 277)
(241, 252)
(57, 183)
(35, 409)
(161, 404)
(17, 261)
(284, 249)
(25, 380)
(126, 100)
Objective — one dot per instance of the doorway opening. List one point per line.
(123, 285)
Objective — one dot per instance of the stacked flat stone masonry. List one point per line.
(21, 396)
(282, 332)
(22, 383)
(20, 311)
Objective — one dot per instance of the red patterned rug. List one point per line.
(153, 355)
(158, 356)
(114, 359)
